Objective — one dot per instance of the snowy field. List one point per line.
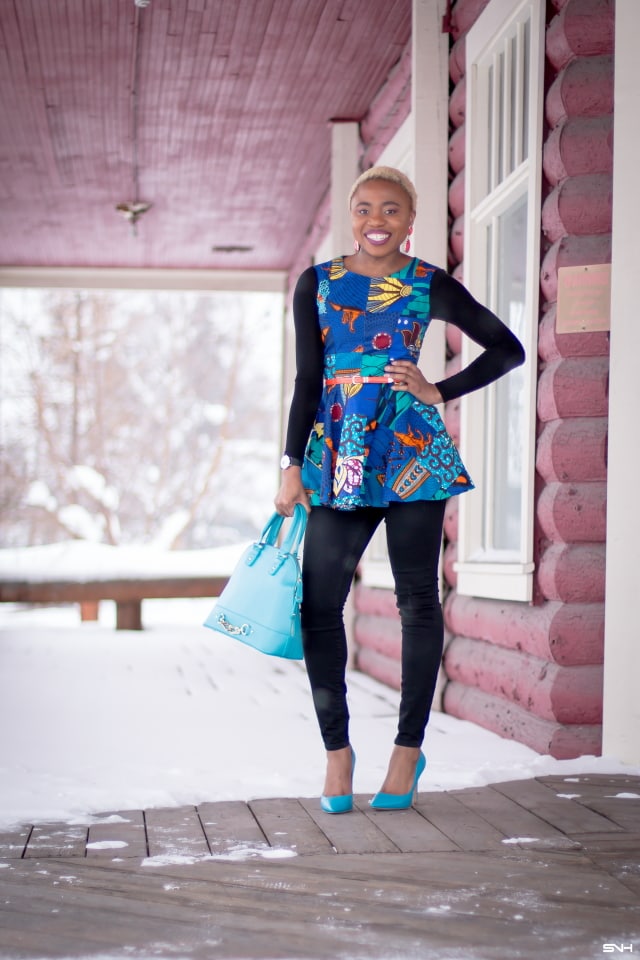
(95, 720)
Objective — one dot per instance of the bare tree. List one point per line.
(129, 406)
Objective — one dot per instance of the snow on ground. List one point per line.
(96, 720)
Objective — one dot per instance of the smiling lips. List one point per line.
(377, 238)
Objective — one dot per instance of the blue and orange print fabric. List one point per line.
(369, 445)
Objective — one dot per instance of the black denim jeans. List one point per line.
(334, 543)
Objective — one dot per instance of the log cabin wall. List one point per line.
(534, 672)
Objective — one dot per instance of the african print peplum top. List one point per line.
(369, 445)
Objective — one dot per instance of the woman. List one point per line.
(365, 443)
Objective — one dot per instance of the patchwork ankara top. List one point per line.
(370, 445)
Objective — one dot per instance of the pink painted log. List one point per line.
(395, 92)
(573, 450)
(375, 601)
(571, 252)
(465, 13)
(573, 512)
(548, 690)
(457, 59)
(381, 634)
(508, 720)
(454, 338)
(583, 28)
(449, 557)
(553, 345)
(379, 667)
(577, 146)
(451, 513)
(456, 237)
(573, 387)
(580, 206)
(452, 419)
(456, 195)
(568, 634)
(457, 149)
(453, 366)
(583, 89)
(572, 573)
(458, 103)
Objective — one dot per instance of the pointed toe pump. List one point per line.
(400, 801)
(343, 803)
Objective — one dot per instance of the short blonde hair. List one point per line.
(393, 176)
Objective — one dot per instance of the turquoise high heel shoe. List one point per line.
(342, 803)
(400, 801)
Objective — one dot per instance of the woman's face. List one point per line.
(381, 216)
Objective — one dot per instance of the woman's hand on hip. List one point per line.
(291, 492)
(408, 377)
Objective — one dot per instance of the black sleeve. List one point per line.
(452, 302)
(309, 364)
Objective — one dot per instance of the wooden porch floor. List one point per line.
(529, 869)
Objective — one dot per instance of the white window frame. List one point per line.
(484, 571)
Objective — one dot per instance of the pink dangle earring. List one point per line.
(407, 243)
(356, 246)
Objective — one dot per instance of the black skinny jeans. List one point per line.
(334, 543)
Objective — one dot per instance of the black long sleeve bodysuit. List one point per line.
(336, 538)
(450, 302)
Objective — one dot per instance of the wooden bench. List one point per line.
(127, 594)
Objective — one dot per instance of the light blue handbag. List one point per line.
(260, 604)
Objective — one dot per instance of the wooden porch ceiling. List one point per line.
(215, 112)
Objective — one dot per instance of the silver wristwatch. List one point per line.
(288, 461)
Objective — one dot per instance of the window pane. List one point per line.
(500, 79)
(491, 130)
(513, 159)
(525, 91)
(508, 451)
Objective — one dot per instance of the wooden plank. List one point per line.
(14, 842)
(617, 854)
(57, 840)
(122, 591)
(565, 814)
(625, 812)
(175, 831)
(286, 823)
(477, 905)
(509, 817)
(230, 826)
(409, 830)
(457, 822)
(118, 835)
(351, 832)
(591, 780)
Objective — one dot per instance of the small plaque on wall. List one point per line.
(584, 298)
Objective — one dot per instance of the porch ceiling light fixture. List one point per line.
(133, 209)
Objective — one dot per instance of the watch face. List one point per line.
(288, 461)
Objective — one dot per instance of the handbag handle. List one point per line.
(296, 531)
